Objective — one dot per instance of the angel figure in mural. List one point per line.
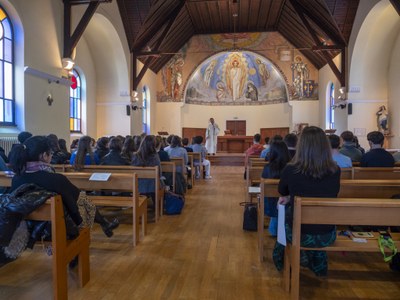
(263, 71)
(209, 72)
(235, 78)
(300, 73)
(176, 81)
(382, 117)
(251, 92)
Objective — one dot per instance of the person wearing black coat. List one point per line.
(114, 157)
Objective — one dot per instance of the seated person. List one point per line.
(102, 147)
(31, 164)
(177, 151)
(349, 147)
(376, 156)
(275, 138)
(185, 143)
(255, 149)
(59, 157)
(84, 154)
(114, 157)
(63, 147)
(342, 160)
(199, 148)
(291, 142)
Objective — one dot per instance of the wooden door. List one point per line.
(270, 132)
(237, 127)
(189, 133)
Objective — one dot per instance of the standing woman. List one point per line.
(31, 163)
(84, 154)
(311, 173)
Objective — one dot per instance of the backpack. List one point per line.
(173, 203)
(249, 216)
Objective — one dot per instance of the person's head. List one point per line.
(334, 140)
(35, 148)
(355, 140)
(198, 139)
(137, 141)
(176, 141)
(375, 138)
(53, 140)
(347, 136)
(278, 157)
(147, 147)
(84, 148)
(275, 138)
(129, 145)
(257, 138)
(115, 144)
(23, 136)
(102, 143)
(159, 142)
(185, 142)
(290, 140)
(63, 145)
(212, 121)
(313, 157)
(169, 139)
(74, 144)
(266, 140)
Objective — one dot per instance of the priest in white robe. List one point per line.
(211, 137)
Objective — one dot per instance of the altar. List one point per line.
(234, 143)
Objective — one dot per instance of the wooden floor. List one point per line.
(201, 254)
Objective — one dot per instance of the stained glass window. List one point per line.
(75, 103)
(7, 101)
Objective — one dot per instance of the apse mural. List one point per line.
(236, 78)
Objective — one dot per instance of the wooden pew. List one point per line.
(253, 178)
(197, 164)
(376, 173)
(337, 211)
(348, 189)
(63, 250)
(256, 162)
(191, 165)
(346, 173)
(170, 167)
(142, 173)
(117, 182)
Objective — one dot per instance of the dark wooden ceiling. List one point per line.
(164, 26)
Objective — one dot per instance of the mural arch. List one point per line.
(236, 78)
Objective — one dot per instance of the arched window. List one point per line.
(144, 110)
(7, 101)
(75, 103)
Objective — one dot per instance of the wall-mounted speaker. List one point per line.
(349, 108)
(128, 110)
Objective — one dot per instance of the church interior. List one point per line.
(159, 67)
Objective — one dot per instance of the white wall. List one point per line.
(394, 94)
(369, 71)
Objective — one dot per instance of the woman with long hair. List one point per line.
(84, 154)
(279, 156)
(30, 162)
(59, 157)
(147, 156)
(102, 147)
(311, 173)
(128, 148)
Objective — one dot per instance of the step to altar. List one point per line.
(226, 159)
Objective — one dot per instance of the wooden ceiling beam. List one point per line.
(155, 26)
(396, 5)
(340, 75)
(70, 42)
(149, 60)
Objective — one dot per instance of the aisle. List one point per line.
(201, 254)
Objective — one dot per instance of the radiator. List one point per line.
(6, 143)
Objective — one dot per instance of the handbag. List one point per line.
(87, 210)
(173, 203)
(249, 216)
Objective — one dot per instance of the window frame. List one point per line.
(72, 100)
